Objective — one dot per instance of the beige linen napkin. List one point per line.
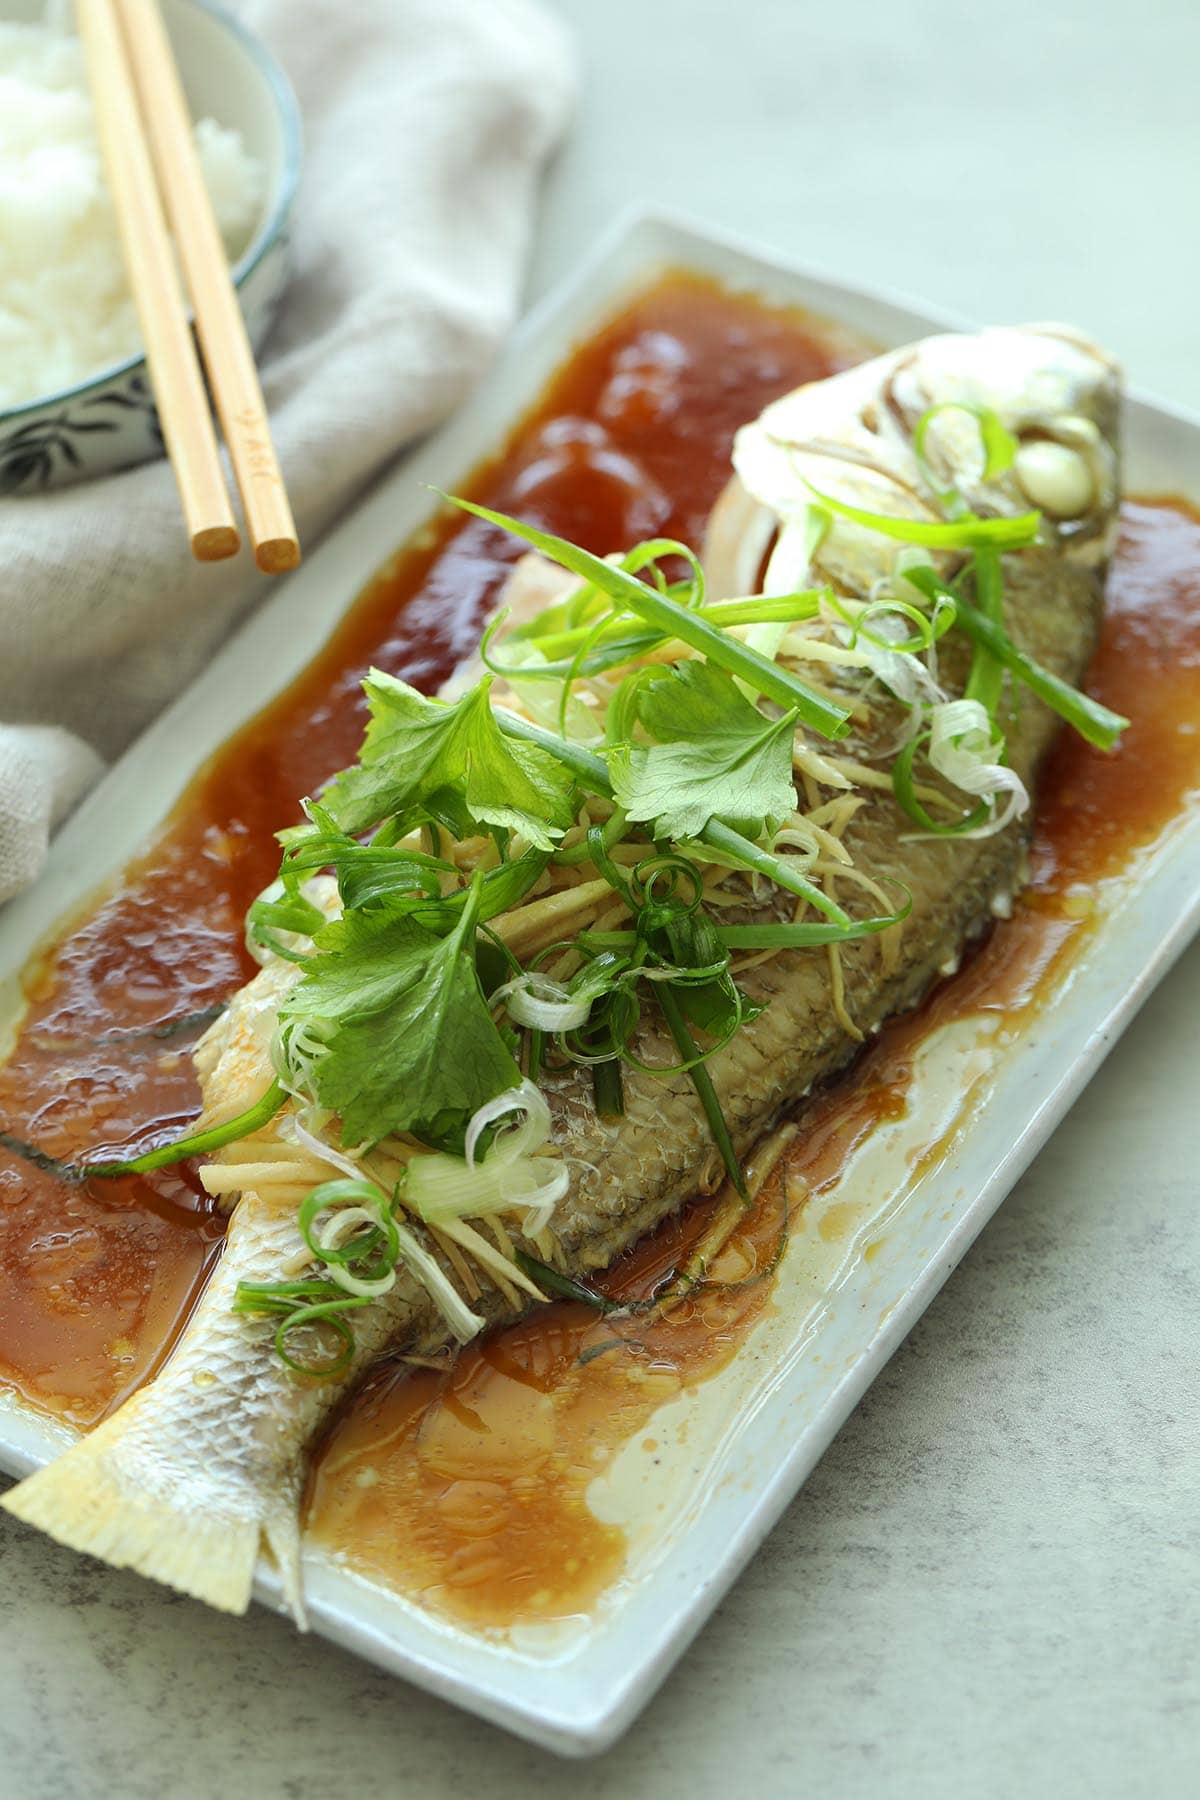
(426, 123)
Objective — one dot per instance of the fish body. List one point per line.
(200, 1469)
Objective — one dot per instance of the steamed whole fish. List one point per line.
(203, 1467)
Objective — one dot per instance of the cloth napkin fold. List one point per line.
(426, 126)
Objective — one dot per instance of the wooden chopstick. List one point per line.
(228, 357)
(179, 394)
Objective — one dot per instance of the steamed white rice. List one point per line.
(65, 308)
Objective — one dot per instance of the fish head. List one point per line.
(1000, 422)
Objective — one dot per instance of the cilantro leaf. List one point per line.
(413, 1044)
(415, 747)
(717, 757)
(512, 783)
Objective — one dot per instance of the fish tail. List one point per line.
(103, 1496)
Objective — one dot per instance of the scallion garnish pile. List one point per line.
(566, 866)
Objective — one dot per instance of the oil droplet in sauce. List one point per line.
(469, 1487)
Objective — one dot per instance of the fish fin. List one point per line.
(97, 1497)
(281, 1528)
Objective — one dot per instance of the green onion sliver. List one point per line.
(775, 868)
(608, 1089)
(622, 640)
(676, 621)
(613, 830)
(956, 534)
(985, 678)
(904, 789)
(1094, 722)
(199, 1143)
(589, 770)
(552, 1281)
(381, 1240)
(701, 1080)
(310, 1302)
(801, 935)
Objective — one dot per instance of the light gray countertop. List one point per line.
(988, 1586)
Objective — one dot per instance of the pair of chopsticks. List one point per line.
(144, 127)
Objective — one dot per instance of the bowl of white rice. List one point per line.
(75, 398)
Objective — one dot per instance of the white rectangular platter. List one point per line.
(733, 1452)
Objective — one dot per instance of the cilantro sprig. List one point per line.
(713, 755)
(409, 1042)
(416, 748)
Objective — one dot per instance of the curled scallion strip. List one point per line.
(360, 1203)
(928, 627)
(654, 887)
(904, 788)
(303, 1303)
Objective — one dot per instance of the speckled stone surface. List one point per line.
(987, 1589)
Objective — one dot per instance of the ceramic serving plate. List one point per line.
(731, 1453)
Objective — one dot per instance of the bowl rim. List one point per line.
(288, 109)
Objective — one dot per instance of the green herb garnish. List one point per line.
(563, 1287)
(671, 771)
(966, 533)
(416, 747)
(314, 1302)
(1096, 723)
(714, 756)
(736, 850)
(675, 621)
(197, 1143)
(409, 1043)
